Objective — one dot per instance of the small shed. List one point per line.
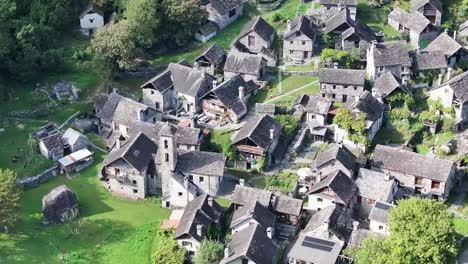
(51, 147)
(74, 140)
(76, 161)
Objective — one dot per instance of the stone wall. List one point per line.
(31, 182)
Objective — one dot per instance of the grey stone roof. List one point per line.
(414, 21)
(253, 244)
(403, 161)
(359, 235)
(304, 25)
(361, 30)
(339, 183)
(459, 85)
(429, 60)
(137, 152)
(386, 84)
(100, 101)
(92, 8)
(214, 54)
(416, 4)
(379, 212)
(342, 76)
(336, 153)
(336, 20)
(368, 105)
(201, 162)
(183, 135)
(372, 185)
(444, 43)
(391, 53)
(198, 212)
(318, 105)
(244, 195)
(329, 215)
(208, 28)
(71, 136)
(262, 108)
(53, 143)
(224, 6)
(287, 205)
(463, 26)
(256, 211)
(244, 63)
(329, 255)
(259, 26)
(257, 129)
(339, 2)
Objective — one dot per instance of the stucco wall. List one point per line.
(91, 21)
(314, 204)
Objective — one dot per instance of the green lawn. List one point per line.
(461, 225)
(283, 182)
(376, 18)
(225, 203)
(217, 139)
(112, 230)
(300, 68)
(289, 9)
(289, 99)
(289, 82)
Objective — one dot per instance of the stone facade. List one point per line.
(298, 47)
(255, 43)
(446, 96)
(340, 93)
(165, 101)
(223, 20)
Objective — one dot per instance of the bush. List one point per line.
(210, 251)
(448, 125)
(288, 124)
(277, 17)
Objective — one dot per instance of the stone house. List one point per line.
(74, 140)
(373, 187)
(52, 146)
(259, 139)
(432, 178)
(335, 157)
(178, 87)
(91, 19)
(333, 188)
(227, 102)
(454, 93)
(418, 27)
(252, 67)
(330, 7)
(211, 60)
(358, 38)
(378, 218)
(221, 13)
(374, 111)
(317, 109)
(257, 37)
(386, 85)
(244, 196)
(299, 40)
(341, 85)
(388, 57)
(199, 215)
(430, 9)
(454, 51)
(463, 32)
(339, 22)
(425, 62)
(253, 213)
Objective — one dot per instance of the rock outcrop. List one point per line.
(60, 205)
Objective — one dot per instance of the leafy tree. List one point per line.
(167, 250)
(58, 14)
(10, 195)
(354, 124)
(210, 251)
(448, 125)
(349, 60)
(288, 124)
(143, 21)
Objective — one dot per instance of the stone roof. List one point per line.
(92, 8)
(339, 18)
(201, 162)
(339, 2)
(304, 25)
(386, 84)
(208, 28)
(257, 129)
(327, 215)
(429, 60)
(259, 26)
(459, 86)
(339, 183)
(367, 104)
(198, 212)
(361, 30)
(416, 4)
(53, 143)
(359, 235)
(262, 108)
(244, 195)
(137, 152)
(415, 21)
(100, 101)
(403, 161)
(256, 211)
(373, 185)
(287, 205)
(183, 135)
(71, 136)
(253, 244)
(318, 105)
(245, 63)
(391, 53)
(463, 26)
(214, 54)
(342, 76)
(444, 43)
(380, 212)
(224, 6)
(336, 153)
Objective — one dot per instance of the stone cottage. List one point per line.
(299, 40)
(252, 67)
(211, 60)
(454, 51)
(74, 140)
(389, 57)
(386, 85)
(221, 13)
(335, 157)
(339, 22)
(91, 19)
(341, 85)
(358, 38)
(51, 147)
(330, 7)
(430, 9)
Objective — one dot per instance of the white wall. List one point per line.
(91, 21)
(314, 204)
(377, 227)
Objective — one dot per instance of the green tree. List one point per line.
(354, 124)
(288, 124)
(58, 14)
(10, 196)
(167, 250)
(143, 21)
(210, 252)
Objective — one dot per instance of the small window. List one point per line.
(355, 88)
(319, 199)
(232, 12)
(333, 96)
(134, 182)
(166, 145)
(201, 179)
(186, 244)
(334, 86)
(418, 181)
(435, 185)
(152, 92)
(135, 191)
(359, 199)
(313, 117)
(291, 51)
(380, 227)
(323, 95)
(251, 40)
(190, 177)
(180, 194)
(91, 21)
(303, 42)
(291, 42)
(191, 253)
(152, 176)
(166, 157)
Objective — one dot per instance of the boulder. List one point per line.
(60, 205)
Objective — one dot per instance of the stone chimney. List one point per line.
(210, 201)
(226, 253)
(355, 225)
(318, 178)
(139, 113)
(199, 230)
(241, 182)
(241, 93)
(272, 133)
(455, 35)
(335, 65)
(117, 143)
(449, 73)
(289, 24)
(439, 81)
(270, 232)
(186, 183)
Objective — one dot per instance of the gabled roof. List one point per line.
(224, 6)
(368, 105)
(373, 185)
(257, 129)
(71, 136)
(201, 162)
(315, 249)
(318, 105)
(327, 215)
(244, 195)
(198, 212)
(416, 4)
(339, 18)
(304, 25)
(183, 135)
(208, 28)
(429, 60)
(391, 53)
(361, 30)
(251, 243)
(245, 63)
(100, 101)
(463, 26)
(459, 85)
(53, 142)
(259, 26)
(403, 161)
(262, 108)
(386, 84)
(336, 153)
(287, 205)
(92, 8)
(342, 76)
(444, 43)
(339, 2)
(339, 183)
(256, 211)
(214, 54)
(137, 152)
(414, 21)
(380, 212)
